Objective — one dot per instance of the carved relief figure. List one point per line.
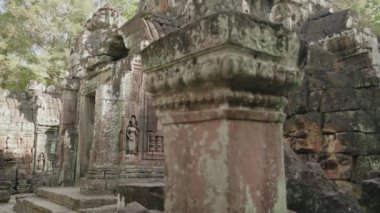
(41, 162)
(132, 134)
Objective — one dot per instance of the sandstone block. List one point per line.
(349, 121)
(356, 143)
(344, 99)
(363, 166)
(304, 133)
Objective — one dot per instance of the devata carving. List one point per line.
(41, 162)
(132, 134)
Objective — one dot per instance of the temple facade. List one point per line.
(227, 106)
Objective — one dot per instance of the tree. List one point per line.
(35, 37)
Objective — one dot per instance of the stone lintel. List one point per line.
(90, 85)
(70, 83)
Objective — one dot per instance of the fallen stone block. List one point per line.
(133, 207)
(310, 191)
(371, 195)
(150, 195)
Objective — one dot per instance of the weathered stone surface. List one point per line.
(358, 143)
(319, 60)
(72, 199)
(303, 133)
(325, 80)
(5, 186)
(5, 191)
(28, 135)
(328, 25)
(299, 103)
(197, 70)
(108, 116)
(33, 204)
(309, 190)
(371, 195)
(134, 207)
(363, 166)
(65, 200)
(345, 99)
(150, 195)
(349, 121)
(340, 62)
(337, 166)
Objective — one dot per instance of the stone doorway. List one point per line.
(87, 132)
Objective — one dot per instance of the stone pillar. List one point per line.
(220, 83)
(103, 174)
(67, 150)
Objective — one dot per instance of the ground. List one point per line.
(8, 207)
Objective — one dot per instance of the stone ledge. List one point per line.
(34, 204)
(218, 114)
(71, 198)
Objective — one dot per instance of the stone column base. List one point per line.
(100, 182)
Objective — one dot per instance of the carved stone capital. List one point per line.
(226, 57)
(216, 97)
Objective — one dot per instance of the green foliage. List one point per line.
(368, 10)
(127, 8)
(35, 38)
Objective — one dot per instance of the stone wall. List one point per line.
(109, 128)
(332, 118)
(28, 134)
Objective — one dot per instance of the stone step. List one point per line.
(72, 199)
(103, 209)
(35, 204)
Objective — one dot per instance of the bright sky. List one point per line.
(1, 6)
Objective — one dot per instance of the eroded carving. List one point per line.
(132, 134)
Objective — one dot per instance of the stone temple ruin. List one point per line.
(260, 106)
(29, 136)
